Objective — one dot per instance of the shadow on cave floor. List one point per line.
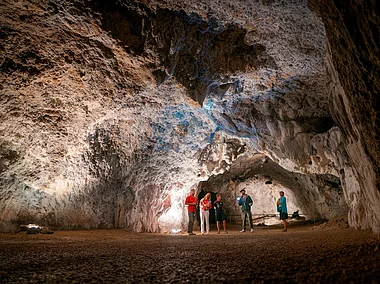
(301, 255)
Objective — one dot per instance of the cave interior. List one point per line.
(112, 110)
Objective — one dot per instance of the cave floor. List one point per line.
(301, 255)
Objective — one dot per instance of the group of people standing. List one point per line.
(244, 201)
(205, 205)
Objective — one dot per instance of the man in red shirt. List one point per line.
(191, 202)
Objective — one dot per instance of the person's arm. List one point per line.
(240, 201)
(250, 201)
(189, 203)
(201, 203)
(278, 203)
(209, 204)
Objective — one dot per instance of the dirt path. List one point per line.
(268, 255)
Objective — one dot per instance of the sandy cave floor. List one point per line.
(268, 255)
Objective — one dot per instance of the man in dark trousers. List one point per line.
(245, 201)
(191, 202)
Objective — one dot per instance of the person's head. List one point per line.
(281, 193)
(208, 196)
(218, 197)
(242, 192)
(192, 191)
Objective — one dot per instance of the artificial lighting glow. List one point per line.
(171, 219)
(33, 226)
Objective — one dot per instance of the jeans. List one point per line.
(205, 215)
(244, 215)
(191, 222)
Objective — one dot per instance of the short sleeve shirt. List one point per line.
(218, 205)
(191, 199)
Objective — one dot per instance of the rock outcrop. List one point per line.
(352, 29)
(112, 110)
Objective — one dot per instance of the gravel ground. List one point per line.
(268, 255)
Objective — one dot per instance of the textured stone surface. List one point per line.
(315, 196)
(352, 29)
(111, 110)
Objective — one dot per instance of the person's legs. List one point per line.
(250, 219)
(202, 221)
(243, 215)
(207, 217)
(217, 219)
(191, 222)
(284, 217)
(223, 219)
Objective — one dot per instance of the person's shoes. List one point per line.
(218, 232)
(242, 231)
(284, 230)
(192, 234)
(202, 234)
(206, 233)
(251, 230)
(225, 232)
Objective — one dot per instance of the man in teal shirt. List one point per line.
(282, 209)
(245, 201)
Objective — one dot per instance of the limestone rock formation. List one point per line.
(353, 66)
(112, 110)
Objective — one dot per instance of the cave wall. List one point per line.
(78, 133)
(352, 29)
(112, 110)
(316, 196)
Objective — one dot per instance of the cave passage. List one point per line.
(112, 110)
(314, 196)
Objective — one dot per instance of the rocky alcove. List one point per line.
(112, 110)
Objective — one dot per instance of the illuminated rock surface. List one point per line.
(111, 111)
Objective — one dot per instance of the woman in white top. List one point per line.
(205, 206)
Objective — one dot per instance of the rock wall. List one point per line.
(314, 196)
(352, 29)
(112, 110)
